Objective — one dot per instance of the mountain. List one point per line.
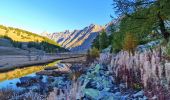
(77, 40)
(81, 40)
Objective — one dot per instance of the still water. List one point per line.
(10, 78)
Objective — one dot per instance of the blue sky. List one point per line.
(54, 15)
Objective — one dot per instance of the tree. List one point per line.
(94, 53)
(130, 43)
(117, 41)
(96, 43)
(103, 40)
(144, 15)
(17, 44)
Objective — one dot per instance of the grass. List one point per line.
(23, 36)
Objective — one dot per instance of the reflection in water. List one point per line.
(17, 73)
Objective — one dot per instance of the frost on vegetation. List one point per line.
(10, 94)
(146, 70)
(72, 92)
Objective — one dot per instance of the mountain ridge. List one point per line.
(80, 40)
(77, 40)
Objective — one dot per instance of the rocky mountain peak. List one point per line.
(45, 33)
(96, 28)
(79, 40)
(67, 31)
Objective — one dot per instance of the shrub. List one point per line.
(6, 94)
(94, 53)
(167, 50)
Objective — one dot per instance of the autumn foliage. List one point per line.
(130, 43)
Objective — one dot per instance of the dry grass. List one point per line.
(6, 94)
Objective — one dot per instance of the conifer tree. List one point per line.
(144, 16)
(103, 40)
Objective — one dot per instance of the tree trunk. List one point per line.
(162, 28)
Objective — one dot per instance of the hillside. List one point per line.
(24, 39)
(23, 36)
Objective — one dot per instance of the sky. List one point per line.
(54, 15)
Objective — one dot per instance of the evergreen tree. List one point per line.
(117, 41)
(96, 42)
(103, 40)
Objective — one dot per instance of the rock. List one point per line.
(139, 94)
(96, 78)
(117, 96)
(124, 97)
(147, 46)
(105, 58)
(90, 84)
(144, 98)
(92, 93)
(122, 87)
(154, 97)
(96, 69)
(114, 89)
(106, 96)
(98, 95)
(28, 81)
(61, 82)
(50, 79)
(52, 73)
(102, 84)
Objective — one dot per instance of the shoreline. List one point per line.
(23, 64)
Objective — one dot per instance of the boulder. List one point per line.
(95, 94)
(28, 81)
(139, 94)
(97, 79)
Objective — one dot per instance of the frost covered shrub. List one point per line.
(94, 53)
(143, 71)
(28, 96)
(105, 58)
(6, 94)
(72, 92)
(10, 94)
